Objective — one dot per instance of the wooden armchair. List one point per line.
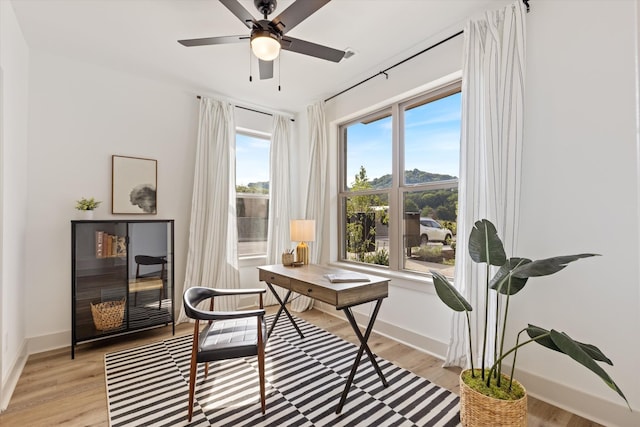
(227, 335)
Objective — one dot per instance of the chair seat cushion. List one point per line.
(228, 339)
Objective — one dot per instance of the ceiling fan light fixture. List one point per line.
(265, 45)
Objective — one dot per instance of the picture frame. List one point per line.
(133, 185)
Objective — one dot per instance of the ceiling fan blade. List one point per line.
(266, 69)
(213, 40)
(296, 13)
(312, 49)
(238, 10)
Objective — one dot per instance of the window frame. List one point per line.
(399, 188)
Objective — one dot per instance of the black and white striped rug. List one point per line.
(148, 386)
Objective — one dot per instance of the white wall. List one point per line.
(579, 194)
(14, 92)
(80, 116)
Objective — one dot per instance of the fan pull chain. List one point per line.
(250, 65)
(279, 70)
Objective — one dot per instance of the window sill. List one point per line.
(252, 260)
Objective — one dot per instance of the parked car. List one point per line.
(432, 231)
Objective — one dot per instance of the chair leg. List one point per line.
(261, 365)
(194, 369)
(261, 373)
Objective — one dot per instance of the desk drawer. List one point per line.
(274, 279)
(317, 292)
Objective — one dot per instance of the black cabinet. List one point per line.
(122, 277)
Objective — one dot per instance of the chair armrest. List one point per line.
(227, 292)
(195, 295)
(225, 315)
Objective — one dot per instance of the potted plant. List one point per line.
(86, 207)
(487, 386)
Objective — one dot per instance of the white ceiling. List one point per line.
(140, 37)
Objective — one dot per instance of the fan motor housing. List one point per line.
(265, 7)
(258, 32)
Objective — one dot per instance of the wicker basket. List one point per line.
(478, 410)
(108, 315)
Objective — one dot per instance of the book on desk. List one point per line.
(346, 277)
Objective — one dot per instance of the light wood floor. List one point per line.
(55, 390)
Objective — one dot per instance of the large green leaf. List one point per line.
(571, 348)
(500, 281)
(546, 341)
(545, 267)
(448, 294)
(485, 245)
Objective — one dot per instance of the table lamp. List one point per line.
(302, 230)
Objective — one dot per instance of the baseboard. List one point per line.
(9, 385)
(43, 343)
(578, 402)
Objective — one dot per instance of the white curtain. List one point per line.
(212, 259)
(279, 196)
(493, 77)
(316, 190)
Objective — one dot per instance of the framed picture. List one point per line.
(134, 183)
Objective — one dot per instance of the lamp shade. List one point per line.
(265, 46)
(302, 230)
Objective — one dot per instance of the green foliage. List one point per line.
(411, 177)
(380, 257)
(486, 247)
(448, 294)
(430, 253)
(254, 188)
(451, 225)
(410, 206)
(361, 217)
(87, 204)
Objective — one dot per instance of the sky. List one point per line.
(432, 141)
(252, 159)
(432, 144)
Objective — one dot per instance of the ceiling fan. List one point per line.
(268, 37)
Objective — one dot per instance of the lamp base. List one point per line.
(302, 253)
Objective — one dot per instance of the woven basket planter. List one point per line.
(478, 410)
(108, 315)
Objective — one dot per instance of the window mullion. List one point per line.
(395, 200)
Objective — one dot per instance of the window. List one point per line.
(252, 192)
(399, 184)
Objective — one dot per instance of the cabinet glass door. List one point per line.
(100, 273)
(150, 278)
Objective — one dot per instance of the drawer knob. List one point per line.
(309, 290)
(272, 278)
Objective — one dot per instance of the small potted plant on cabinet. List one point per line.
(86, 207)
(487, 396)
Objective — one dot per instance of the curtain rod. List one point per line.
(251, 109)
(526, 3)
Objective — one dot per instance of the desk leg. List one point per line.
(282, 308)
(363, 347)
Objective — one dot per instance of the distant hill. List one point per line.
(254, 187)
(413, 177)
